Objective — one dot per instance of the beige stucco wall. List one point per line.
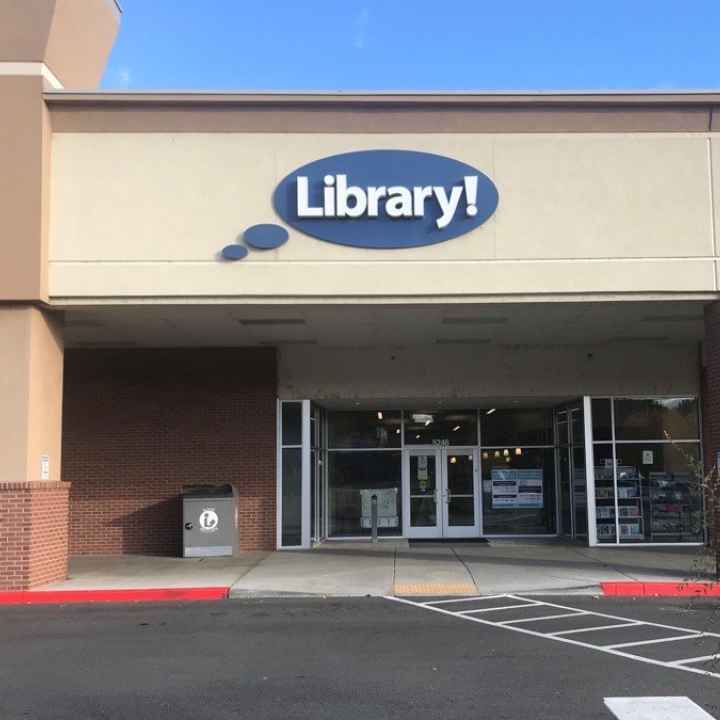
(468, 373)
(24, 147)
(31, 381)
(143, 215)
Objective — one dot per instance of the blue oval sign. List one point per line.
(265, 236)
(234, 252)
(386, 199)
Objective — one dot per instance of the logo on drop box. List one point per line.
(386, 199)
(208, 520)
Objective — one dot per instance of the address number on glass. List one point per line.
(441, 443)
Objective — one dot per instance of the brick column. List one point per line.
(34, 515)
(33, 533)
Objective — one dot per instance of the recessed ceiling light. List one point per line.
(98, 345)
(491, 411)
(456, 428)
(474, 321)
(380, 416)
(270, 321)
(462, 341)
(272, 343)
(621, 338)
(672, 318)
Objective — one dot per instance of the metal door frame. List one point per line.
(442, 528)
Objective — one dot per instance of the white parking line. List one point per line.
(513, 625)
(690, 661)
(470, 599)
(543, 617)
(594, 629)
(656, 708)
(494, 609)
(655, 642)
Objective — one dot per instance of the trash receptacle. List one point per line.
(210, 526)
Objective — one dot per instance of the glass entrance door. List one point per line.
(441, 492)
(573, 489)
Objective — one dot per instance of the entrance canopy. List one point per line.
(370, 325)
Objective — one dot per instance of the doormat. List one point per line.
(448, 541)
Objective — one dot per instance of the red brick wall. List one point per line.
(138, 425)
(33, 534)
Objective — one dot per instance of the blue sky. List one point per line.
(416, 45)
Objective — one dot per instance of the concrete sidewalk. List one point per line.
(396, 568)
(139, 572)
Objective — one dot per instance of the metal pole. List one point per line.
(374, 517)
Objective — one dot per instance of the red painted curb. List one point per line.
(661, 589)
(62, 597)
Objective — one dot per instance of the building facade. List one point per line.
(497, 314)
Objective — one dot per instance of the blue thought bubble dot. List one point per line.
(265, 236)
(234, 252)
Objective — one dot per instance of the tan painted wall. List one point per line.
(31, 367)
(14, 408)
(24, 147)
(138, 215)
(82, 36)
(634, 368)
(72, 37)
(45, 394)
(25, 29)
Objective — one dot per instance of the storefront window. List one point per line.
(291, 474)
(353, 478)
(659, 496)
(604, 493)
(518, 485)
(454, 427)
(292, 423)
(376, 429)
(602, 419)
(656, 419)
(292, 497)
(517, 427)
(648, 484)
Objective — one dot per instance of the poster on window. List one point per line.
(387, 503)
(517, 488)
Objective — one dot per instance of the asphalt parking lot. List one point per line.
(354, 658)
